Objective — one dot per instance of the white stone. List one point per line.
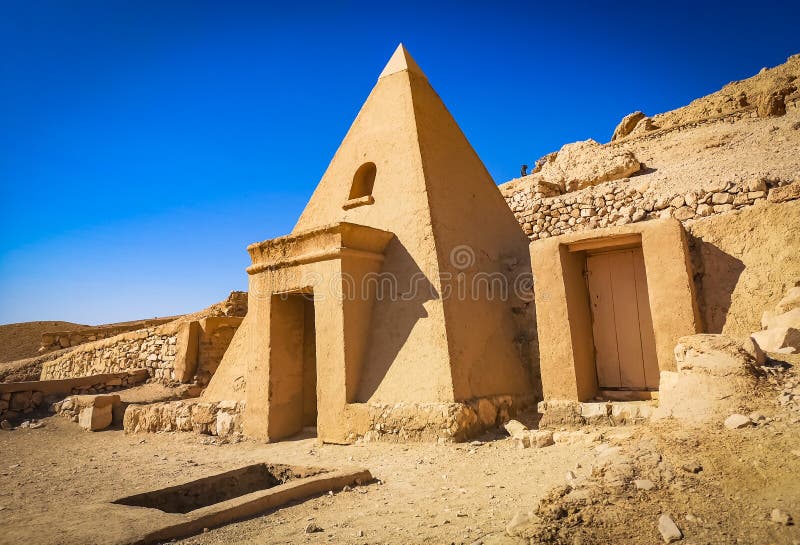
(668, 529)
(780, 517)
(737, 421)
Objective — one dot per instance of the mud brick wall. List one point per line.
(215, 336)
(622, 202)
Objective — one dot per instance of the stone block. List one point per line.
(712, 354)
(95, 418)
(784, 193)
(591, 411)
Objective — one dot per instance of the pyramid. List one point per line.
(445, 325)
(434, 193)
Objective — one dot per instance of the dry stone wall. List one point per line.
(220, 418)
(19, 399)
(152, 349)
(542, 214)
(57, 340)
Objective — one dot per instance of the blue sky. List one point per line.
(144, 144)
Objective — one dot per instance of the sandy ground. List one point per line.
(465, 493)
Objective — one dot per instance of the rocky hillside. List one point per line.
(748, 130)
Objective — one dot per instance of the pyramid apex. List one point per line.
(401, 60)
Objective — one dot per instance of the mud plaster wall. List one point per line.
(215, 337)
(743, 264)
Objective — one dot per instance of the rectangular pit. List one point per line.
(187, 497)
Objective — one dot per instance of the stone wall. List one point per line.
(543, 214)
(180, 350)
(57, 340)
(426, 422)
(220, 418)
(153, 349)
(18, 399)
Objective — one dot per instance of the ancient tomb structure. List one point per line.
(610, 306)
(391, 309)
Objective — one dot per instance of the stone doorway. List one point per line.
(622, 325)
(293, 361)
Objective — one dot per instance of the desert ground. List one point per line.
(718, 485)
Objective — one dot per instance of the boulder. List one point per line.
(587, 163)
(668, 529)
(737, 421)
(645, 125)
(784, 193)
(772, 105)
(717, 355)
(515, 428)
(627, 125)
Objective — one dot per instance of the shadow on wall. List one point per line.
(398, 306)
(524, 312)
(716, 274)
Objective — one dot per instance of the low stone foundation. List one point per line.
(429, 422)
(560, 413)
(21, 398)
(220, 418)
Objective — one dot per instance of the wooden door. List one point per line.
(625, 352)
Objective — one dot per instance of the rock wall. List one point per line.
(153, 349)
(543, 214)
(18, 399)
(426, 422)
(220, 418)
(57, 340)
(180, 350)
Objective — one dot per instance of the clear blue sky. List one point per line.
(144, 144)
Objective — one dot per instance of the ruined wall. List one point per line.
(220, 418)
(152, 349)
(56, 340)
(180, 350)
(19, 399)
(215, 337)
